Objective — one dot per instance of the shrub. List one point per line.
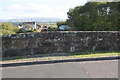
(53, 29)
(7, 28)
(22, 30)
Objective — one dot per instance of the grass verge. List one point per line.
(57, 56)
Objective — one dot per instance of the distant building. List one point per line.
(25, 24)
(33, 24)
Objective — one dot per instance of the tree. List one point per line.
(96, 16)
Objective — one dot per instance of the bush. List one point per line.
(8, 28)
(29, 31)
(22, 30)
(53, 29)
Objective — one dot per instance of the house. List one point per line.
(29, 24)
(26, 25)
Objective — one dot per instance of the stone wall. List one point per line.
(60, 41)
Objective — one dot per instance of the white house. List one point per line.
(23, 25)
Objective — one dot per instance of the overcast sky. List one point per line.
(11, 9)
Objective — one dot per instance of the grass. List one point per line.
(57, 56)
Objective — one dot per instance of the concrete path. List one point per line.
(91, 69)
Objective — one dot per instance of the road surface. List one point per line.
(89, 69)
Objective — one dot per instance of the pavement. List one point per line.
(58, 61)
(84, 69)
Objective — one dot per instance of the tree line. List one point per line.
(95, 16)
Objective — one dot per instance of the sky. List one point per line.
(16, 9)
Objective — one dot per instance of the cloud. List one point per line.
(26, 7)
(38, 8)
